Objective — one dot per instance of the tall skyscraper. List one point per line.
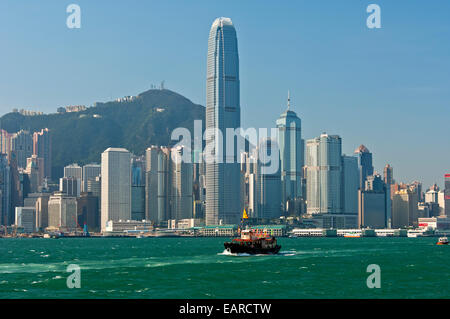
(324, 169)
(181, 174)
(156, 184)
(374, 204)
(291, 148)
(22, 145)
(116, 185)
(447, 195)
(42, 147)
(388, 174)
(365, 164)
(222, 112)
(62, 211)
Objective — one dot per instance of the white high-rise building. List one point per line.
(62, 211)
(74, 171)
(324, 169)
(222, 111)
(26, 218)
(116, 186)
(291, 148)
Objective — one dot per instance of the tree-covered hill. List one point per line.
(135, 125)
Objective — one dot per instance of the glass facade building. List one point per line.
(222, 111)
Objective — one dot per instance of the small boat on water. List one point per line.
(442, 241)
(253, 243)
(352, 235)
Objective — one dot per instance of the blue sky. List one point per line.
(386, 88)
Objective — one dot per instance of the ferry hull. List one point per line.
(236, 248)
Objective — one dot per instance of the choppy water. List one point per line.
(198, 268)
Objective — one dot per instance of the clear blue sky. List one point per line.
(385, 88)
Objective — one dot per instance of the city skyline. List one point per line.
(360, 75)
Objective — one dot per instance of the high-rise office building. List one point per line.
(157, 184)
(365, 164)
(350, 185)
(447, 195)
(388, 175)
(374, 204)
(181, 173)
(62, 212)
(70, 186)
(324, 169)
(26, 218)
(291, 148)
(222, 112)
(42, 148)
(116, 185)
(89, 172)
(268, 182)
(41, 206)
(22, 145)
(74, 171)
(36, 166)
(88, 212)
(404, 208)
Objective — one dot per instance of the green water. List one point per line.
(194, 268)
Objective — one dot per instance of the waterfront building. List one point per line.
(116, 185)
(42, 148)
(22, 145)
(404, 209)
(268, 181)
(388, 176)
(374, 204)
(324, 169)
(121, 227)
(291, 147)
(365, 164)
(222, 112)
(88, 212)
(62, 212)
(89, 172)
(26, 218)
(434, 223)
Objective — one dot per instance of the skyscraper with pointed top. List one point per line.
(365, 164)
(291, 147)
(222, 111)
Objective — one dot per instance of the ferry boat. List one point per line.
(442, 241)
(253, 242)
(352, 235)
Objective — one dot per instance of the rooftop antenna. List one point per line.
(289, 100)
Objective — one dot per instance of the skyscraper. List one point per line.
(350, 185)
(404, 209)
(22, 144)
(222, 112)
(291, 148)
(181, 174)
(447, 195)
(388, 175)
(268, 183)
(42, 147)
(156, 184)
(365, 164)
(324, 169)
(5, 190)
(89, 172)
(116, 185)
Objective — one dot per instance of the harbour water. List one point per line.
(198, 268)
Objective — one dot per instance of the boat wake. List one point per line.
(281, 253)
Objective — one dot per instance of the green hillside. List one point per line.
(80, 137)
